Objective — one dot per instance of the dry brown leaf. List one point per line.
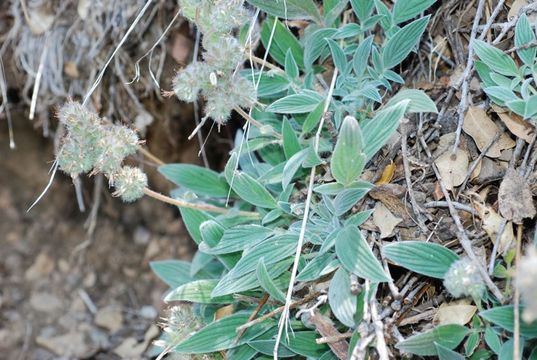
(491, 224)
(385, 220)
(39, 20)
(482, 129)
(459, 313)
(515, 9)
(515, 198)
(224, 311)
(518, 126)
(453, 167)
(387, 174)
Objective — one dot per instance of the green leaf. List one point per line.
(313, 118)
(504, 316)
(500, 94)
(449, 336)
(292, 166)
(270, 84)
(229, 284)
(419, 101)
(401, 44)
(291, 10)
(243, 352)
(267, 347)
(291, 68)
(471, 343)
(359, 60)
(424, 258)
(347, 198)
(315, 44)
(495, 59)
(266, 282)
(238, 238)
(273, 250)
(199, 261)
(221, 335)
(506, 352)
(200, 180)
(358, 218)
(362, 8)
(211, 232)
(354, 253)
(378, 130)
(331, 16)
(318, 266)
(291, 144)
(446, 354)
(338, 56)
(407, 9)
(304, 343)
(173, 272)
(193, 219)
(347, 159)
(282, 41)
(198, 291)
(341, 300)
(296, 103)
(493, 340)
(250, 190)
(523, 35)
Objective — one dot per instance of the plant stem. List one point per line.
(265, 63)
(150, 156)
(254, 122)
(203, 207)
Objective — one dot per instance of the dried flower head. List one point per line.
(525, 281)
(463, 279)
(117, 142)
(223, 53)
(129, 183)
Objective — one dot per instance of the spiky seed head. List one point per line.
(129, 183)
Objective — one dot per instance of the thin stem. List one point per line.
(283, 319)
(204, 207)
(151, 156)
(516, 300)
(265, 63)
(254, 122)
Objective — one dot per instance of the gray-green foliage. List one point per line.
(267, 170)
(506, 83)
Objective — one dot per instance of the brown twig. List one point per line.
(277, 311)
(203, 207)
(150, 156)
(256, 123)
(253, 315)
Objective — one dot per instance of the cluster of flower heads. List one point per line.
(215, 78)
(93, 146)
(463, 279)
(525, 281)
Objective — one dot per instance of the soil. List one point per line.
(62, 296)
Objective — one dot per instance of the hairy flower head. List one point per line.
(129, 183)
(463, 279)
(525, 281)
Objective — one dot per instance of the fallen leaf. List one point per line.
(385, 220)
(224, 311)
(482, 129)
(453, 167)
(387, 174)
(515, 9)
(454, 313)
(515, 198)
(491, 223)
(518, 126)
